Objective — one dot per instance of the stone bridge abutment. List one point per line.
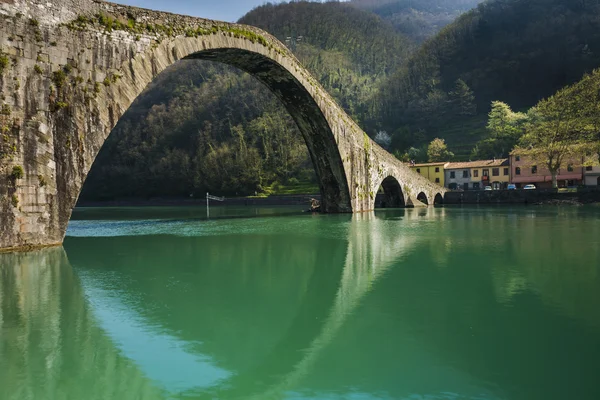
(70, 69)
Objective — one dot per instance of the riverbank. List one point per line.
(536, 197)
(530, 197)
(279, 200)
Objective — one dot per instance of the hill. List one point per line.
(202, 126)
(514, 51)
(417, 19)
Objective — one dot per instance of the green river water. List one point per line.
(270, 303)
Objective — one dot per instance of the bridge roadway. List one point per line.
(71, 68)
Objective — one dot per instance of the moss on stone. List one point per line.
(4, 61)
(5, 110)
(17, 173)
(59, 78)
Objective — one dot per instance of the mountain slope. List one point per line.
(417, 19)
(514, 51)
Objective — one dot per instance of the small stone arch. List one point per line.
(422, 197)
(438, 200)
(392, 193)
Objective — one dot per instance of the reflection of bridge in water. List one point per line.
(35, 299)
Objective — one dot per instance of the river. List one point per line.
(270, 303)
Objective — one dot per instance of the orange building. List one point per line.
(524, 172)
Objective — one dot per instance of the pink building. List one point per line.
(524, 172)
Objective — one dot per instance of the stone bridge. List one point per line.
(69, 69)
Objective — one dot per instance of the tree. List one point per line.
(438, 151)
(559, 129)
(590, 110)
(463, 99)
(383, 139)
(505, 127)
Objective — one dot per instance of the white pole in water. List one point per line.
(207, 209)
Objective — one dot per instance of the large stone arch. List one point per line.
(76, 66)
(295, 96)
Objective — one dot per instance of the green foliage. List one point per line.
(4, 61)
(188, 135)
(59, 78)
(59, 105)
(505, 128)
(438, 151)
(14, 201)
(514, 50)
(42, 180)
(34, 22)
(37, 69)
(17, 172)
(5, 110)
(418, 19)
(564, 126)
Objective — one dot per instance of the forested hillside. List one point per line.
(417, 19)
(202, 126)
(513, 51)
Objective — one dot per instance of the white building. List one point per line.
(592, 176)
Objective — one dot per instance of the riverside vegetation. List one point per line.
(206, 127)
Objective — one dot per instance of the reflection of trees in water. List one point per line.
(50, 346)
(552, 252)
(561, 261)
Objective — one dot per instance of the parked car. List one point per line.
(488, 188)
(529, 187)
(511, 186)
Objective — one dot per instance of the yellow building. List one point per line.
(432, 171)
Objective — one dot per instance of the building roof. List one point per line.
(433, 164)
(501, 162)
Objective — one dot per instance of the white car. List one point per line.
(529, 187)
(488, 188)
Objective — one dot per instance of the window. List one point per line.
(505, 171)
(466, 186)
(570, 167)
(517, 171)
(486, 172)
(476, 185)
(419, 170)
(589, 168)
(437, 180)
(534, 169)
(495, 171)
(465, 173)
(518, 158)
(437, 169)
(452, 175)
(475, 173)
